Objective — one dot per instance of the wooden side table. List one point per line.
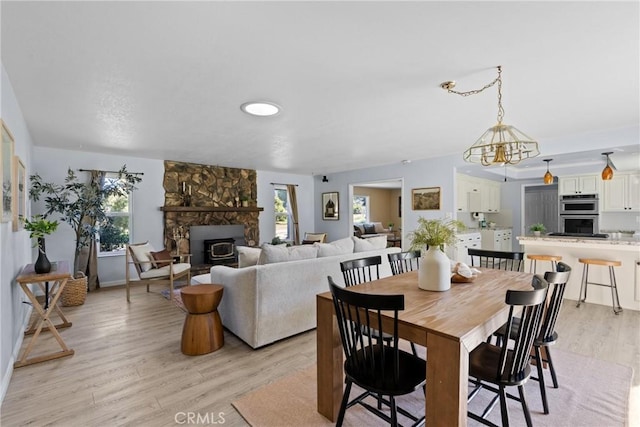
(58, 275)
(202, 331)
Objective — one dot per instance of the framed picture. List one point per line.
(426, 199)
(6, 171)
(330, 206)
(19, 193)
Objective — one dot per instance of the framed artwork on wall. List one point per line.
(426, 199)
(19, 193)
(330, 209)
(6, 171)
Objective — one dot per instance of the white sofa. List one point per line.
(265, 303)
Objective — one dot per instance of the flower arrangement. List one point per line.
(38, 226)
(435, 232)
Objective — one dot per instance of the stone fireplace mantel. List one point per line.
(210, 209)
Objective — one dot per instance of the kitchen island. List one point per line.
(626, 250)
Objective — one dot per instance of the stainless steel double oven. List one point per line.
(579, 213)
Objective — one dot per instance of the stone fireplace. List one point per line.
(204, 195)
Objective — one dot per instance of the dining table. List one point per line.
(450, 324)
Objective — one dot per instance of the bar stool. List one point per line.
(534, 258)
(615, 302)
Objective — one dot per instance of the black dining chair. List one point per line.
(402, 262)
(379, 367)
(499, 260)
(361, 270)
(496, 367)
(548, 336)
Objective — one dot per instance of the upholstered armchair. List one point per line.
(155, 268)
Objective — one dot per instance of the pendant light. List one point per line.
(501, 143)
(548, 177)
(607, 172)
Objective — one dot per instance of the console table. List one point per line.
(58, 276)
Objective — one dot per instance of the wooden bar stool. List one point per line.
(535, 258)
(202, 331)
(615, 302)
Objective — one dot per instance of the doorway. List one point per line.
(383, 200)
(541, 206)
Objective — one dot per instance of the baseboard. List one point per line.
(6, 378)
(111, 284)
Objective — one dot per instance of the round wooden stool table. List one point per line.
(202, 331)
(615, 301)
(535, 258)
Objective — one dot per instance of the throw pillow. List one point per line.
(338, 247)
(308, 242)
(161, 258)
(248, 256)
(370, 244)
(369, 229)
(377, 226)
(142, 254)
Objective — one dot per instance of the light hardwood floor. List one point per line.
(128, 368)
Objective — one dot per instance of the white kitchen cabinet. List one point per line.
(490, 192)
(463, 243)
(622, 193)
(477, 195)
(497, 240)
(579, 184)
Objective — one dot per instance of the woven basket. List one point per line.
(75, 292)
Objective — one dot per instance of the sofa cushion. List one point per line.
(377, 226)
(142, 254)
(369, 228)
(281, 253)
(165, 271)
(161, 258)
(370, 244)
(337, 247)
(248, 256)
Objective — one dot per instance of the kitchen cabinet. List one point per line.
(579, 184)
(622, 193)
(497, 240)
(463, 243)
(477, 195)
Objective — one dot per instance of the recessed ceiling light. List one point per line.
(261, 108)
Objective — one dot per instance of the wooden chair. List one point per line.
(557, 281)
(377, 366)
(403, 262)
(315, 237)
(361, 270)
(499, 260)
(495, 367)
(161, 271)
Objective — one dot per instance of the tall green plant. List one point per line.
(81, 204)
(435, 232)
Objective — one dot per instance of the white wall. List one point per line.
(15, 247)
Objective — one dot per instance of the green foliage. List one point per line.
(279, 205)
(81, 204)
(39, 227)
(538, 227)
(435, 232)
(115, 234)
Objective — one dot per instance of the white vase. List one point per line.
(435, 271)
(536, 233)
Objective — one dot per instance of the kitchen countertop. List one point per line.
(477, 230)
(623, 241)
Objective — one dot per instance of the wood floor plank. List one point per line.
(128, 369)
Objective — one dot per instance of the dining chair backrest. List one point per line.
(359, 316)
(557, 281)
(515, 359)
(500, 260)
(402, 262)
(361, 270)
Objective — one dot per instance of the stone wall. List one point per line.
(223, 189)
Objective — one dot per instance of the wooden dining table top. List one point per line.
(460, 313)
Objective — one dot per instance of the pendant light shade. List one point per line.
(548, 177)
(607, 172)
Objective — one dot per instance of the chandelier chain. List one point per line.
(497, 80)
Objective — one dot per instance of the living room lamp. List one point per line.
(501, 144)
(607, 172)
(548, 177)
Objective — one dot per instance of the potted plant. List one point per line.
(81, 205)
(244, 200)
(537, 229)
(433, 234)
(390, 226)
(38, 227)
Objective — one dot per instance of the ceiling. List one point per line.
(358, 82)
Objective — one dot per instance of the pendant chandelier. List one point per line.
(501, 143)
(607, 172)
(548, 177)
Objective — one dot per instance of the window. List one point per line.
(360, 209)
(283, 221)
(115, 235)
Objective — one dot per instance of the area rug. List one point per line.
(177, 298)
(592, 393)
